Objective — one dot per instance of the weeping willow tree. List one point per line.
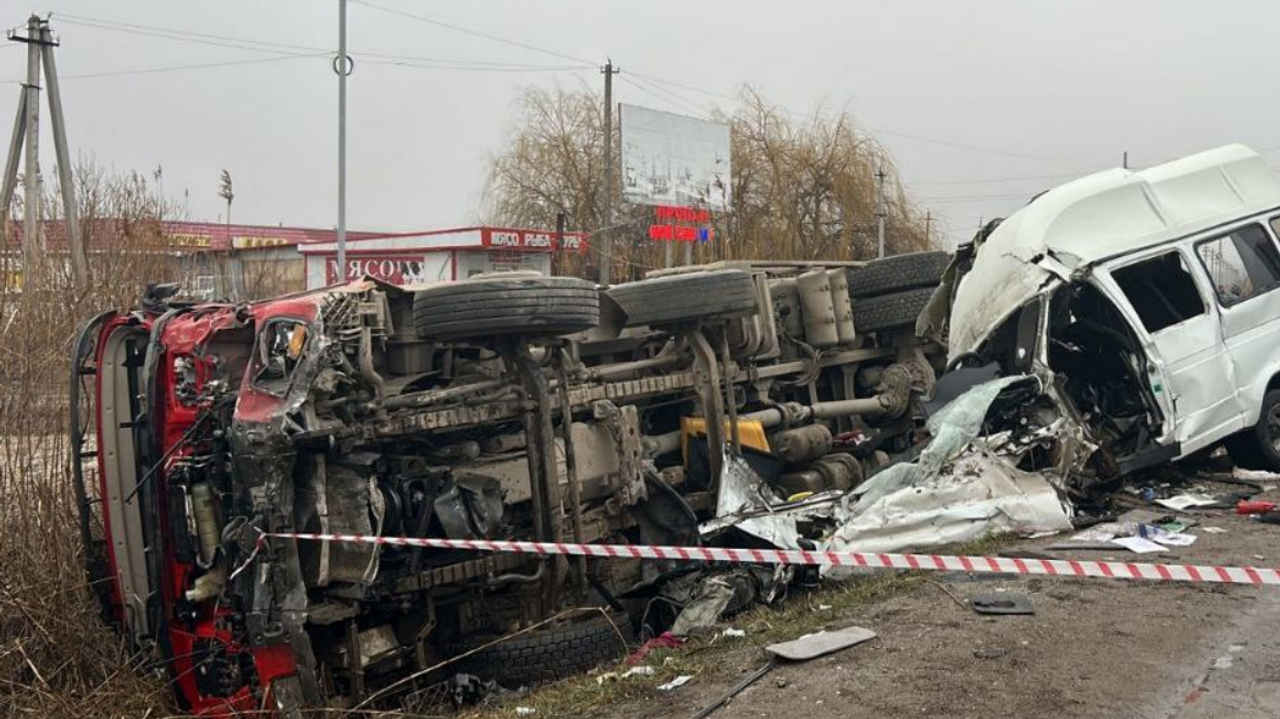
(801, 188)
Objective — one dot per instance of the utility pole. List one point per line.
(562, 219)
(928, 223)
(32, 245)
(880, 211)
(343, 66)
(75, 240)
(227, 192)
(11, 164)
(1125, 161)
(26, 131)
(606, 232)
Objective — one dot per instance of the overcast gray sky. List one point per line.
(981, 103)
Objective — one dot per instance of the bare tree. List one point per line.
(801, 188)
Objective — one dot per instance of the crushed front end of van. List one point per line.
(1140, 302)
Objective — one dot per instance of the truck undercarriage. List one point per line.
(512, 406)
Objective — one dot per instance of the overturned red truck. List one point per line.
(509, 405)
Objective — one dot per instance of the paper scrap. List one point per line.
(676, 683)
(1168, 539)
(1214, 530)
(1255, 475)
(735, 633)
(1138, 545)
(525, 711)
(1098, 533)
(1185, 501)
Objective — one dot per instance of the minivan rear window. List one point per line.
(1161, 290)
(1241, 265)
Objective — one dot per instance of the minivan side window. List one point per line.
(1241, 265)
(1161, 290)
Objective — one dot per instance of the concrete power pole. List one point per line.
(26, 135)
(32, 246)
(928, 227)
(606, 232)
(342, 66)
(79, 258)
(880, 212)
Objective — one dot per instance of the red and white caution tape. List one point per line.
(926, 562)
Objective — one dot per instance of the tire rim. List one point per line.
(1273, 426)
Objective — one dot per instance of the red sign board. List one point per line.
(397, 270)
(531, 240)
(687, 215)
(677, 224)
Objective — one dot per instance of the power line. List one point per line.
(664, 99)
(676, 97)
(423, 66)
(685, 87)
(199, 66)
(468, 31)
(253, 45)
(994, 180)
(975, 198)
(962, 146)
(891, 133)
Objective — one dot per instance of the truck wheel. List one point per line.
(548, 654)
(506, 306)
(890, 312)
(1258, 447)
(898, 273)
(686, 297)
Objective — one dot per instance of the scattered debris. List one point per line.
(525, 711)
(468, 690)
(676, 683)
(957, 490)
(733, 633)
(990, 653)
(704, 610)
(1244, 507)
(1008, 603)
(640, 671)
(1255, 475)
(1183, 502)
(810, 646)
(666, 640)
(1139, 545)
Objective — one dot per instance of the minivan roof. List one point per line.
(1117, 211)
(1102, 216)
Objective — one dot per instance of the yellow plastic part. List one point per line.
(750, 433)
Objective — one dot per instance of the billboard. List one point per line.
(670, 159)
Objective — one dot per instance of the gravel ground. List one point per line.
(1094, 648)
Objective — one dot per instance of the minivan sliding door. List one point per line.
(1166, 305)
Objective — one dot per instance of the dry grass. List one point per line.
(57, 657)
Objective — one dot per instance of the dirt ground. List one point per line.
(1094, 648)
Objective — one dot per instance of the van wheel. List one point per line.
(1259, 446)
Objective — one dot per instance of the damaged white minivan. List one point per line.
(1145, 304)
